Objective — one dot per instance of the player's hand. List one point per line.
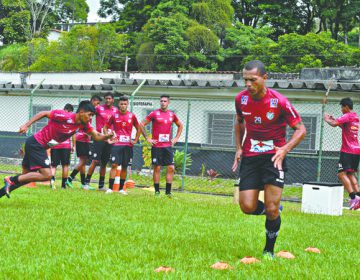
(23, 129)
(133, 142)
(174, 141)
(238, 155)
(151, 141)
(278, 158)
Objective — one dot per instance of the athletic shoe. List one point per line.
(169, 195)
(357, 203)
(87, 187)
(353, 203)
(268, 256)
(7, 186)
(108, 191)
(52, 184)
(103, 189)
(69, 184)
(157, 194)
(123, 192)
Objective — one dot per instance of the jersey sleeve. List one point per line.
(343, 119)
(150, 117)
(292, 117)
(176, 119)
(237, 105)
(88, 128)
(110, 122)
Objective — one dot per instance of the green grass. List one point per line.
(74, 234)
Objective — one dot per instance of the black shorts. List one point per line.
(35, 155)
(348, 162)
(162, 156)
(257, 171)
(82, 149)
(121, 155)
(101, 152)
(60, 156)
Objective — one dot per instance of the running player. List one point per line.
(60, 154)
(350, 150)
(83, 152)
(264, 113)
(102, 150)
(162, 151)
(62, 125)
(122, 150)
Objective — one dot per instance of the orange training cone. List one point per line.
(117, 179)
(129, 184)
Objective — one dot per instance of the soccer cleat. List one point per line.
(157, 194)
(268, 256)
(108, 191)
(69, 184)
(52, 184)
(123, 192)
(103, 189)
(87, 187)
(7, 186)
(169, 195)
(357, 205)
(353, 203)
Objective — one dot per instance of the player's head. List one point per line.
(109, 99)
(123, 103)
(85, 111)
(254, 74)
(69, 108)
(95, 100)
(346, 104)
(164, 102)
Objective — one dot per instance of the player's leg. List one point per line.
(273, 218)
(55, 161)
(65, 162)
(114, 161)
(104, 159)
(168, 161)
(156, 161)
(345, 166)
(96, 157)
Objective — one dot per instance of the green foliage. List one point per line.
(179, 158)
(146, 151)
(14, 57)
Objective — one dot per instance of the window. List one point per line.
(40, 123)
(221, 129)
(309, 142)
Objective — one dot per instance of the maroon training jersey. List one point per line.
(103, 115)
(81, 136)
(161, 126)
(61, 126)
(265, 121)
(122, 125)
(349, 123)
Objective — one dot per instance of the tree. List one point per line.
(71, 11)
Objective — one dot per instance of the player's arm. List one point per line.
(73, 142)
(38, 116)
(143, 131)
(138, 132)
(178, 133)
(330, 120)
(281, 152)
(239, 135)
(97, 136)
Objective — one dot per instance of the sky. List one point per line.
(94, 6)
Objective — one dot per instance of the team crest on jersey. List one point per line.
(69, 121)
(270, 115)
(158, 113)
(129, 120)
(244, 99)
(274, 102)
(101, 108)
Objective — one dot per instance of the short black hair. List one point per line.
(86, 106)
(68, 107)
(165, 95)
(347, 102)
(96, 97)
(109, 94)
(123, 98)
(256, 64)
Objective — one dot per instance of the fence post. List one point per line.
(186, 145)
(31, 102)
(321, 143)
(133, 94)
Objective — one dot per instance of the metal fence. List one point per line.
(205, 152)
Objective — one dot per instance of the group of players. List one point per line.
(260, 128)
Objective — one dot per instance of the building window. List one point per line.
(221, 129)
(309, 142)
(40, 123)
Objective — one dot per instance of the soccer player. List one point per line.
(122, 149)
(264, 114)
(162, 151)
(62, 125)
(82, 151)
(60, 154)
(102, 150)
(350, 150)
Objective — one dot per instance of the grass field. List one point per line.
(74, 234)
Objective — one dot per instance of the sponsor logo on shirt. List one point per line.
(246, 113)
(244, 99)
(270, 115)
(58, 115)
(258, 146)
(274, 102)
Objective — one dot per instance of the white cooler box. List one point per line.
(322, 198)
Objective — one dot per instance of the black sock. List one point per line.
(111, 183)
(101, 182)
(63, 181)
(157, 187)
(358, 194)
(168, 188)
(83, 181)
(122, 183)
(53, 178)
(272, 229)
(88, 178)
(15, 179)
(352, 195)
(73, 175)
(260, 209)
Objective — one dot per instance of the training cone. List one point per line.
(117, 179)
(31, 185)
(130, 184)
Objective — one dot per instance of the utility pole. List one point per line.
(126, 63)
